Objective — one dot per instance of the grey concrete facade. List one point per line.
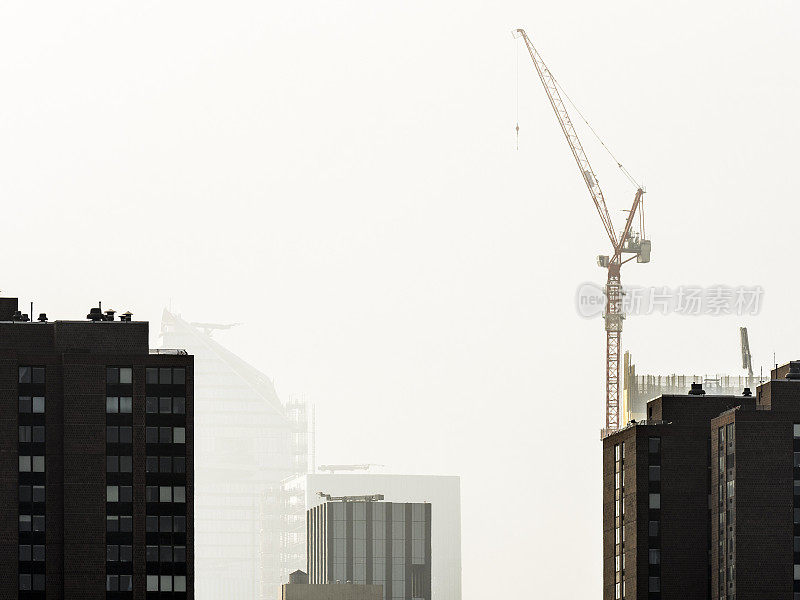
(333, 591)
(443, 492)
(384, 543)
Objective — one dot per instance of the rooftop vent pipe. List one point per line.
(747, 392)
(697, 390)
(95, 314)
(43, 317)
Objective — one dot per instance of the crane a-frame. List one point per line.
(628, 242)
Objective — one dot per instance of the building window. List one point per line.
(726, 506)
(165, 472)
(165, 464)
(796, 489)
(619, 528)
(165, 435)
(34, 375)
(31, 479)
(653, 529)
(654, 504)
(119, 481)
(151, 435)
(654, 445)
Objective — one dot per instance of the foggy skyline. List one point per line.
(341, 177)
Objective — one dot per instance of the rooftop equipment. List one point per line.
(368, 498)
(334, 468)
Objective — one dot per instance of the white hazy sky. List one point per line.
(341, 177)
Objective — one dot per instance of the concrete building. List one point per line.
(384, 543)
(86, 409)
(442, 492)
(298, 588)
(331, 591)
(250, 530)
(698, 500)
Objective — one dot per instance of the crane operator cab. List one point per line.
(634, 244)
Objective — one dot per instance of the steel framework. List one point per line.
(624, 244)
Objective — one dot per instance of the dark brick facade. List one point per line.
(681, 424)
(75, 356)
(729, 504)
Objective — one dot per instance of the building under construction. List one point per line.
(639, 389)
(247, 443)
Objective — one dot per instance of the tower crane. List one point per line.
(627, 242)
(747, 358)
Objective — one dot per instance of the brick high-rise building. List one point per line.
(702, 500)
(95, 461)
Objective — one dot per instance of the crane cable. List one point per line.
(602, 143)
(577, 110)
(516, 47)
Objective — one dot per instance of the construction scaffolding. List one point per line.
(639, 389)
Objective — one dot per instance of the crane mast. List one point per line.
(625, 243)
